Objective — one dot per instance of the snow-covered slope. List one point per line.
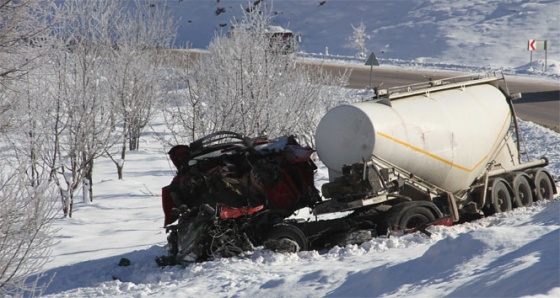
(479, 33)
(512, 254)
(508, 255)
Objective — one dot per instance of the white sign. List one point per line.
(537, 45)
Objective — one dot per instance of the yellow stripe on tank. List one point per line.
(441, 159)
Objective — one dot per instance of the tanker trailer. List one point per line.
(445, 149)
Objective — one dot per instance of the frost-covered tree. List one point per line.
(26, 200)
(248, 85)
(23, 29)
(358, 40)
(103, 85)
(25, 232)
(142, 35)
(82, 115)
(24, 26)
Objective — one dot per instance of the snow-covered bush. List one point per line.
(25, 234)
(248, 85)
(26, 197)
(358, 40)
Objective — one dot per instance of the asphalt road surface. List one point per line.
(540, 102)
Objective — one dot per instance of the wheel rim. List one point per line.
(294, 246)
(544, 192)
(544, 189)
(524, 194)
(543, 186)
(501, 198)
(415, 218)
(416, 221)
(501, 201)
(289, 238)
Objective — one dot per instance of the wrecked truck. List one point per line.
(438, 152)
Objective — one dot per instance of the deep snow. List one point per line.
(513, 254)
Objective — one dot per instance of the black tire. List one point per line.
(414, 217)
(522, 191)
(287, 232)
(543, 186)
(500, 198)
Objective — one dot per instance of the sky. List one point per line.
(512, 254)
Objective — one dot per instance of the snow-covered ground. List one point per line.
(513, 254)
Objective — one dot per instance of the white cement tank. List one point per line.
(445, 137)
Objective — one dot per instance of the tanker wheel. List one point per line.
(543, 186)
(500, 198)
(413, 218)
(522, 191)
(286, 238)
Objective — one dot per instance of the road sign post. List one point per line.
(538, 45)
(371, 61)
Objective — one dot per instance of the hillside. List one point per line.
(478, 33)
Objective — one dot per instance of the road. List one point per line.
(540, 102)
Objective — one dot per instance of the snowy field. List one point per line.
(512, 254)
(516, 254)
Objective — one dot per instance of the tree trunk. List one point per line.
(85, 190)
(89, 178)
(120, 171)
(64, 198)
(120, 163)
(134, 138)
